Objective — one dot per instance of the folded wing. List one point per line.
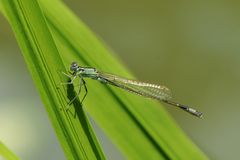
(141, 88)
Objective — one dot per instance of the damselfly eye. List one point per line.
(74, 66)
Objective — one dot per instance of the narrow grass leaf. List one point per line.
(139, 127)
(45, 64)
(6, 153)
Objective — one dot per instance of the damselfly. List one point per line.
(153, 91)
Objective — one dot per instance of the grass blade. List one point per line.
(45, 64)
(6, 153)
(139, 127)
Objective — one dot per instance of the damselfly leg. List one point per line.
(86, 91)
(81, 83)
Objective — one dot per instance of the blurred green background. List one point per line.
(190, 46)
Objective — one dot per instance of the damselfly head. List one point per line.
(74, 66)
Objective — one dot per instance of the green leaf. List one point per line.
(45, 65)
(139, 127)
(6, 153)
